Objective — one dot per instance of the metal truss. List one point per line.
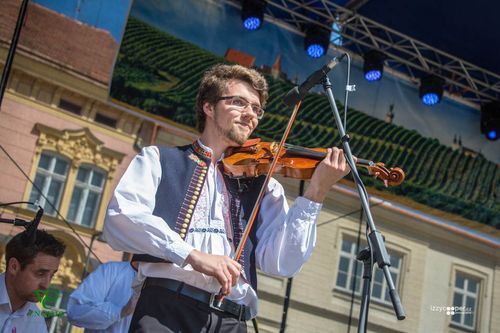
(404, 54)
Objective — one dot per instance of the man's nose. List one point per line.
(44, 283)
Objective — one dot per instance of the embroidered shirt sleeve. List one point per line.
(130, 224)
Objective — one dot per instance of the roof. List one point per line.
(61, 40)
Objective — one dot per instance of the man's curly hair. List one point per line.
(214, 83)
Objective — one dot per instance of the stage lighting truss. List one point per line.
(431, 89)
(373, 66)
(490, 120)
(405, 54)
(252, 14)
(316, 41)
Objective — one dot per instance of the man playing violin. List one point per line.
(183, 218)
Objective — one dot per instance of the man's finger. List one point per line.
(329, 153)
(234, 268)
(233, 263)
(228, 280)
(342, 161)
(334, 160)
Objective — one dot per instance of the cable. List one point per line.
(50, 203)
(347, 85)
(370, 247)
(353, 293)
(347, 214)
(16, 203)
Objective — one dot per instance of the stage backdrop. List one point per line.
(167, 46)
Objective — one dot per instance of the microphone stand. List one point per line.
(31, 227)
(377, 248)
(16, 222)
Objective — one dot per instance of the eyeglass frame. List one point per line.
(244, 107)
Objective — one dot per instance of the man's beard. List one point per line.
(231, 133)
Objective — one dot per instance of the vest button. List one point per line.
(184, 225)
(183, 235)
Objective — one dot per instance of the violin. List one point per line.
(254, 157)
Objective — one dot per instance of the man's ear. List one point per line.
(13, 265)
(209, 109)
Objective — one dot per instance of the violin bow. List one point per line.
(255, 209)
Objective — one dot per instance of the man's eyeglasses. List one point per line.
(241, 103)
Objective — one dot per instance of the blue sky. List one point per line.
(110, 15)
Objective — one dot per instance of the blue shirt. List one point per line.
(21, 321)
(97, 303)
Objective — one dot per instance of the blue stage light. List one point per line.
(431, 89)
(430, 99)
(490, 120)
(373, 75)
(316, 41)
(252, 23)
(315, 50)
(373, 66)
(252, 13)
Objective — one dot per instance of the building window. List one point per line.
(45, 94)
(465, 301)
(70, 106)
(105, 120)
(83, 184)
(50, 179)
(86, 196)
(24, 88)
(350, 272)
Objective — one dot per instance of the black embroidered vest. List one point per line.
(184, 170)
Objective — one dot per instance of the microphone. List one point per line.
(30, 233)
(297, 93)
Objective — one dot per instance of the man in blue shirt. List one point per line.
(30, 267)
(104, 302)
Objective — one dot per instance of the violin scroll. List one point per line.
(390, 176)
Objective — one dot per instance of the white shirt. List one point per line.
(97, 303)
(21, 321)
(286, 237)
